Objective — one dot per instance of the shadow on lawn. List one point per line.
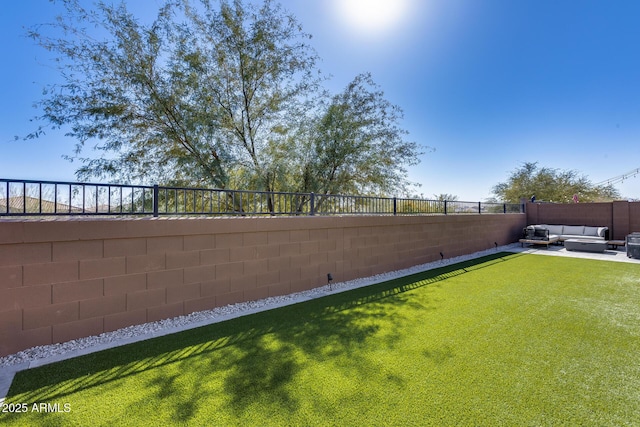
(255, 357)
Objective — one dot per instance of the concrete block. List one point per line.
(77, 250)
(125, 247)
(146, 299)
(10, 276)
(103, 306)
(75, 291)
(79, 329)
(165, 278)
(51, 272)
(38, 317)
(105, 267)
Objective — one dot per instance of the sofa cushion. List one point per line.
(602, 231)
(565, 237)
(554, 229)
(591, 231)
(575, 230)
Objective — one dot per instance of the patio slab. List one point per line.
(616, 255)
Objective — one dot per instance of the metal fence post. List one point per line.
(504, 208)
(156, 192)
(395, 206)
(479, 207)
(445, 207)
(312, 204)
(7, 199)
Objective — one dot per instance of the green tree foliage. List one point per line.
(355, 145)
(551, 185)
(445, 196)
(223, 94)
(194, 97)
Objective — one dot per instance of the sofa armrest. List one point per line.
(541, 233)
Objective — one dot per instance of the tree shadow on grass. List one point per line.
(262, 373)
(255, 357)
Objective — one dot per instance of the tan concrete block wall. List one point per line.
(634, 217)
(621, 215)
(67, 279)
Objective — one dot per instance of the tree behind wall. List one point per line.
(355, 145)
(551, 185)
(218, 95)
(201, 95)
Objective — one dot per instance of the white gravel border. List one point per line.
(43, 355)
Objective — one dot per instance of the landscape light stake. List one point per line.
(329, 279)
(441, 256)
(496, 243)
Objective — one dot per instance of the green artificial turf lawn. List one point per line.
(502, 340)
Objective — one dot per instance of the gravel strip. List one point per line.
(49, 353)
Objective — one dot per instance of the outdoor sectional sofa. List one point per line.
(565, 232)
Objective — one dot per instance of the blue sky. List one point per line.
(487, 84)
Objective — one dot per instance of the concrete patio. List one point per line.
(616, 255)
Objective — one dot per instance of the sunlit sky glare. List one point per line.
(371, 18)
(486, 84)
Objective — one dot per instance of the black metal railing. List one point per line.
(46, 198)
